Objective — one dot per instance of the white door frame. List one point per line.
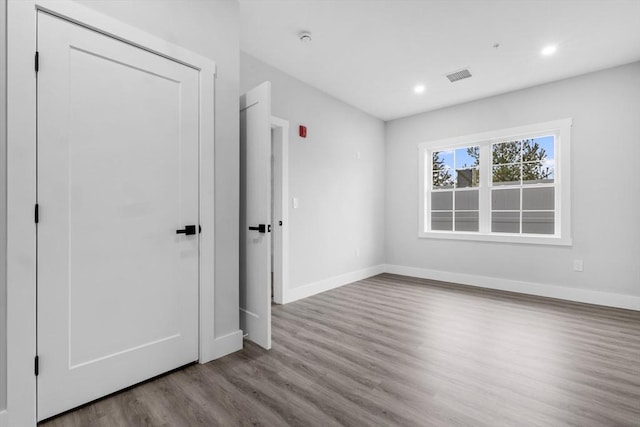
(280, 195)
(21, 186)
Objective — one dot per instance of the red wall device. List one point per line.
(303, 131)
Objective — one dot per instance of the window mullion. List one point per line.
(485, 191)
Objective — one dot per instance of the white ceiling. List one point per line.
(371, 53)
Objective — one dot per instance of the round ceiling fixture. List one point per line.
(304, 36)
(549, 50)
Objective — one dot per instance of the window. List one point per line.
(454, 193)
(510, 185)
(523, 186)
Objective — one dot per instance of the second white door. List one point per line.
(255, 214)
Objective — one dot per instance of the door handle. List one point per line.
(261, 228)
(187, 230)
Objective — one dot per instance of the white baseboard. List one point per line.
(4, 418)
(225, 344)
(560, 292)
(331, 283)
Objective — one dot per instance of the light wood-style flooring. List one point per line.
(399, 351)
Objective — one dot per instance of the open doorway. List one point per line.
(279, 208)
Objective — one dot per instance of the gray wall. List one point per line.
(605, 107)
(3, 204)
(209, 28)
(341, 197)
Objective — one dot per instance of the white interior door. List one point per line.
(255, 214)
(117, 178)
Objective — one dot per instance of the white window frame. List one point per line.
(560, 129)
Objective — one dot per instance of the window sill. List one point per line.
(528, 239)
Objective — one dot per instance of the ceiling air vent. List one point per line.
(458, 75)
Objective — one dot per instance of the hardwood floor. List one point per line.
(393, 350)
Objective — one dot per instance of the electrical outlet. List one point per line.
(578, 265)
(357, 251)
(296, 203)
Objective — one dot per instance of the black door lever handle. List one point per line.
(260, 228)
(187, 230)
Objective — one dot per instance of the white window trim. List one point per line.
(560, 128)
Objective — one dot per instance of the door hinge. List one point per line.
(37, 64)
(36, 366)
(37, 213)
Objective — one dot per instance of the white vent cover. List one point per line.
(458, 75)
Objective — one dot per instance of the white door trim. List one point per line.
(21, 186)
(280, 193)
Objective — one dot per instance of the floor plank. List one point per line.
(394, 350)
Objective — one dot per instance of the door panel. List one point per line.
(117, 176)
(255, 209)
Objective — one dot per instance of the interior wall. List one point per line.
(341, 205)
(3, 204)
(605, 107)
(209, 28)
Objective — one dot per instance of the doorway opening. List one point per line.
(279, 209)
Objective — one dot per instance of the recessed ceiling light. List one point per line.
(549, 50)
(419, 88)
